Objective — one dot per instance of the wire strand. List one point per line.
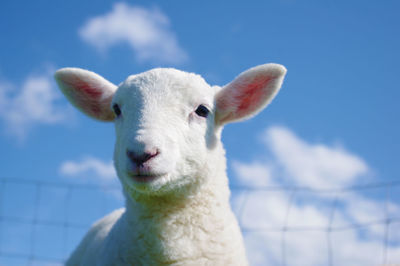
(66, 223)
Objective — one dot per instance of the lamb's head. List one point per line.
(168, 122)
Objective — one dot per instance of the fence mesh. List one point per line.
(42, 222)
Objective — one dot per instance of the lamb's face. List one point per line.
(167, 121)
(164, 130)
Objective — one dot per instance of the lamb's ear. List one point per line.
(249, 93)
(87, 91)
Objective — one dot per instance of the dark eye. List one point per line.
(202, 111)
(116, 109)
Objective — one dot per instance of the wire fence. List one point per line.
(42, 222)
(382, 210)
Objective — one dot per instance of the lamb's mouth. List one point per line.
(145, 177)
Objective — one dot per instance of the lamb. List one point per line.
(171, 162)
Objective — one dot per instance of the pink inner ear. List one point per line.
(251, 95)
(91, 94)
(86, 96)
(245, 97)
(87, 91)
(84, 87)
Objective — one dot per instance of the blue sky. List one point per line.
(333, 124)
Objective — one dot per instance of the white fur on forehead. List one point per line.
(165, 78)
(166, 88)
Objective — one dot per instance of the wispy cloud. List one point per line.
(89, 167)
(92, 170)
(315, 165)
(35, 102)
(290, 225)
(147, 31)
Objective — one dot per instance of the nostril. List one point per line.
(147, 156)
(140, 158)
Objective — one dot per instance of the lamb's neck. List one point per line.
(198, 223)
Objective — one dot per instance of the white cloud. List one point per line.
(147, 31)
(94, 171)
(314, 165)
(292, 225)
(254, 174)
(89, 167)
(36, 102)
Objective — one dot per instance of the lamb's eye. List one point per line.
(202, 111)
(116, 109)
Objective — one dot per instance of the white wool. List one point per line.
(177, 199)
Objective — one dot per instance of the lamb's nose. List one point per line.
(140, 158)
